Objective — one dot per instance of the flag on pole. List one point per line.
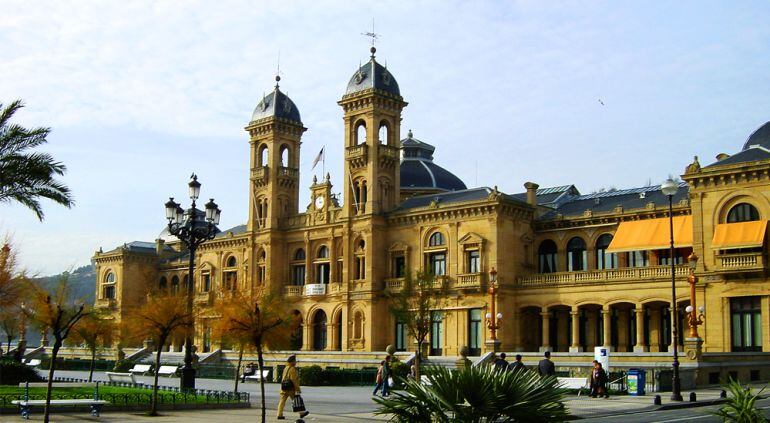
(321, 156)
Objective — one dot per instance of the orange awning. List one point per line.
(739, 235)
(651, 234)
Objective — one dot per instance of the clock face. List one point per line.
(319, 202)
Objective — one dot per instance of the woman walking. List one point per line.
(598, 381)
(379, 378)
(290, 387)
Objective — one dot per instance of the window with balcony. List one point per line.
(109, 292)
(546, 253)
(604, 259)
(743, 212)
(298, 274)
(746, 323)
(576, 254)
(638, 259)
(322, 265)
(472, 259)
(261, 267)
(399, 266)
(680, 256)
(437, 263)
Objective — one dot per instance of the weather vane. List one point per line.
(374, 36)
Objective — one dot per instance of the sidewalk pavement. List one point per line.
(354, 403)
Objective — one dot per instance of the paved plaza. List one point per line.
(354, 403)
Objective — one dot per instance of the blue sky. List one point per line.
(141, 94)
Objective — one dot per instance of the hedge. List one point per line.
(14, 373)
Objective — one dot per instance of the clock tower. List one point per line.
(321, 201)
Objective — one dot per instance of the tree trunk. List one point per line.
(238, 367)
(56, 345)
(417, 362)
(260, 363)
(91, 367)
(154, 408)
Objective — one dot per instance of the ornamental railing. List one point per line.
(604, 276)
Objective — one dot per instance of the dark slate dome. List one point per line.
(418, 172)
(373, 75)
(759, 137)
(276, 104)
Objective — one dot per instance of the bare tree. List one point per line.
(95, 332)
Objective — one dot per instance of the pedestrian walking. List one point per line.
(249, 370)
(546, 367)
(598, 381)
(500, 363)
(385, 377)
(378, 381)
(517, 365)
(290, 389)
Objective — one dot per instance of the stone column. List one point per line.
(655, 329)
(640, 345)
(606, 323)
(330, 337)
(624, 337)
(307, 342)
(545, 344)
(575, 346)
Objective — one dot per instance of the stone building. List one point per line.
(574, 270)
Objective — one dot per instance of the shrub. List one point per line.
(741, 406)
(476, 394)
(123, 366)
(311, 376)
(13, 373)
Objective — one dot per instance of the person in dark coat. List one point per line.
(500, 363)
(598, 381)
(517, 365)
(546, 367)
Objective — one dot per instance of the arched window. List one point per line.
(109, 277)
(576, 254)
(186, 283)
(436, 240)
(232, 261)
(284, 156)
(261, 269)
(546, 253)
(230, 275)
(323, 267)
(175, 285)
(384, 133)
(319, 331)
(263, 153)
(605, 260)
(299, 255)
(108, 290)
(323, 252)
(361, 245)
(361, 133)
(743, 212)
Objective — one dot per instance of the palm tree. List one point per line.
(26, 176)
(477, 394)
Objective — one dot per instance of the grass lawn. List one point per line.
(114, 394)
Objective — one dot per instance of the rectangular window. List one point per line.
(230, 281)
(547, 262)
(474, 332)
(746, 323)
(206, 282)
(638, 259)
(437, 264)
(109, 292)
(576, 260)
(605, 260)
(400, 336)
(399, 266)
(322, 273)
(473, 261)
(261, 275)
(436, 333)
(298, 275)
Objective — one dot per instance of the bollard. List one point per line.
(693, 397)
(656, 401)
(722, 394)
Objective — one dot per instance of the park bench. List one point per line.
(33, 362)
(257, 376)
(120, 377)
(26, 404)
(141, 368)
(59, 384)
(167, 370)
(573, 383)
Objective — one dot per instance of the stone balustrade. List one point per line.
(604, 276)
(740, 261)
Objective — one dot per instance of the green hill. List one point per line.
(82, 282)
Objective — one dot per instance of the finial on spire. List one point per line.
(278, 70)
(277, 80)
(409, 134)
(374, 36)
(328, 177)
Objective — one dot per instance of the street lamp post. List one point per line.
(494, 320)
(693, 319)
(193, 228)
(669, 188)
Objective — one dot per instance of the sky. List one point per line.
(140, 94)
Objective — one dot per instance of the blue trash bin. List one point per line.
(635, 380)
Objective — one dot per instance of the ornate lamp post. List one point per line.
(693, 319)
(193, 227)
(669, 188)
(494, 320)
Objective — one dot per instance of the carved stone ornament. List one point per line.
(360, 76)
(693, 167)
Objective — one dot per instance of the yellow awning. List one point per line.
(739, 235)
(651, 234)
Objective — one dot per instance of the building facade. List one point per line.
(575, 271)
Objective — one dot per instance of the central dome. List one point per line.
(419, 175)
(760, 137)
(373, 75)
